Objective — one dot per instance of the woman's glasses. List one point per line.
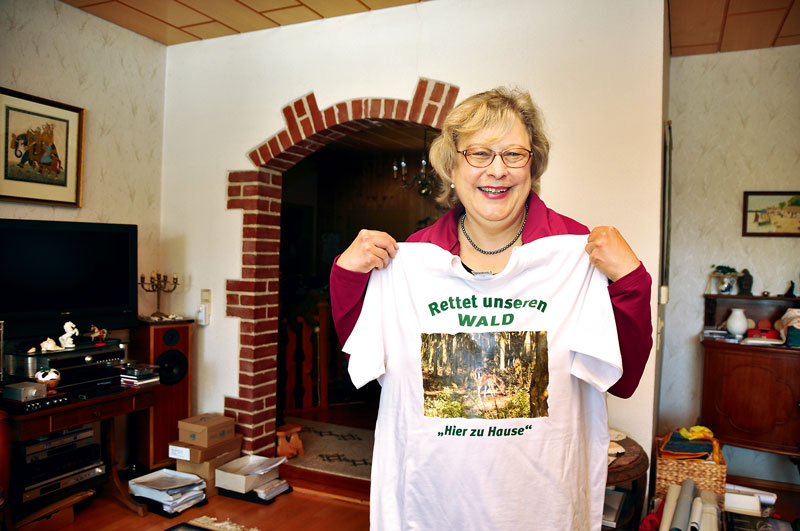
(479, 157)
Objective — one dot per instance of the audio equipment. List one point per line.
(68, 479)
(20, 408)
(166, 344)
(24, 391)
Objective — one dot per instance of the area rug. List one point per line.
(334, 449)
(209, 522)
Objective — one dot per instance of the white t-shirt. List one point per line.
(492, 411)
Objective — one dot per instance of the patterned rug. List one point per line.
(334, 449)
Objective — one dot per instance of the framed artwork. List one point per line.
(42, 150)
(771, 214)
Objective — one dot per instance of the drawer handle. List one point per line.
(96, 413)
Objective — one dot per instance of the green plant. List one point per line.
(723, 269)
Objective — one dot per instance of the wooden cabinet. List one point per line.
(751, 394)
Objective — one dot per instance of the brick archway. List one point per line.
(254, 297)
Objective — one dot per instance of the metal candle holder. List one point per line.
(159, 283)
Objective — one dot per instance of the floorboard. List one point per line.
(289, 512)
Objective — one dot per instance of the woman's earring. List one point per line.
(453, 186)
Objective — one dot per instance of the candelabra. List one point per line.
(159, 283)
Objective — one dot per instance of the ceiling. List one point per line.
(696, 27)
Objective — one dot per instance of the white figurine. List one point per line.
(49, 344)
(69, 330)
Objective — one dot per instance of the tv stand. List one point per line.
(106, 410)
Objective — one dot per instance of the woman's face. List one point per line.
(495, 193)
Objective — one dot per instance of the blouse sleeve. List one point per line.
(347, 298)
(630, 299)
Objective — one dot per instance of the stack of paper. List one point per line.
(176, 491)
(272, 488)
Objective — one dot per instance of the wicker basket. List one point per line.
(707, 476)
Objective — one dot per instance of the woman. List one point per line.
(489, 158)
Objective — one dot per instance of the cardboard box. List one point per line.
(239, 475)
(206, 469)
(205, 430)
(198, 454)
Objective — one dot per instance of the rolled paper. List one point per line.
(680, 520)
(669, 506)
(696, 514)
(710, 520)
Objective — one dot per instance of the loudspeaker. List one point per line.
(167, 345)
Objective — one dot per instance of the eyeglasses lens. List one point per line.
(513, 158)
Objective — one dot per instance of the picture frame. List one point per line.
(42, 150)
(771, 214)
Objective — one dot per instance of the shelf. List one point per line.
(751, 297)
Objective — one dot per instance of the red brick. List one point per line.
(232, 299)
(253, 156)
(401, 113)
(291, 125)
(375, 108)
(450, 100)
(388, 108)
(244, 204)
(263, 150)
(254, 300)
(245, 286)
(357, 113)
(242, 176)
(276, 179)
(234, 191)
(330, 117)
(251, 431)
(299, 108)
(239, 311)
(416, 103)
(243, 405)
(430, 114)
(316, 115)
(305, 124)
(437, 92)
(261, 233)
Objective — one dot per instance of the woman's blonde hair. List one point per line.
(492, 109)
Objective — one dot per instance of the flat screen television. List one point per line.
(52, 272)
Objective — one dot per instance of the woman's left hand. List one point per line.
(610, 253)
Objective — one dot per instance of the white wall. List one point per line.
(55, 51)
(595, 69)
(736, 127)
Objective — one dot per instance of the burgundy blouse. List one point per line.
(630, 295)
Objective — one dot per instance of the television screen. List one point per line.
(54, 271)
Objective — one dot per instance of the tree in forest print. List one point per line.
(489, 375)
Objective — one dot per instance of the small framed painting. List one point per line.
(42, 150)
(771, 214)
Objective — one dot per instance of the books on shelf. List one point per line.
(612, 506)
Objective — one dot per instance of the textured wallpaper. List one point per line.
(55, 51)
(736, 127)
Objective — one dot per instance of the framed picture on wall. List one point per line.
(42, 150)
(771, 214)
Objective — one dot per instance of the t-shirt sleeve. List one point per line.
(365, 344)
(596, 358)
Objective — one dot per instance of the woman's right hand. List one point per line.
(370, 250)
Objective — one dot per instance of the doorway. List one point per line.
(326, 199)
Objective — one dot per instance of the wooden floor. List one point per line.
(289, 512)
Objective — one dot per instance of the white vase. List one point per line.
(737, 322)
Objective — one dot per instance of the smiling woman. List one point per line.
(506, 247)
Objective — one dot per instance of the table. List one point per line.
(630, 467)
(105, 409)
